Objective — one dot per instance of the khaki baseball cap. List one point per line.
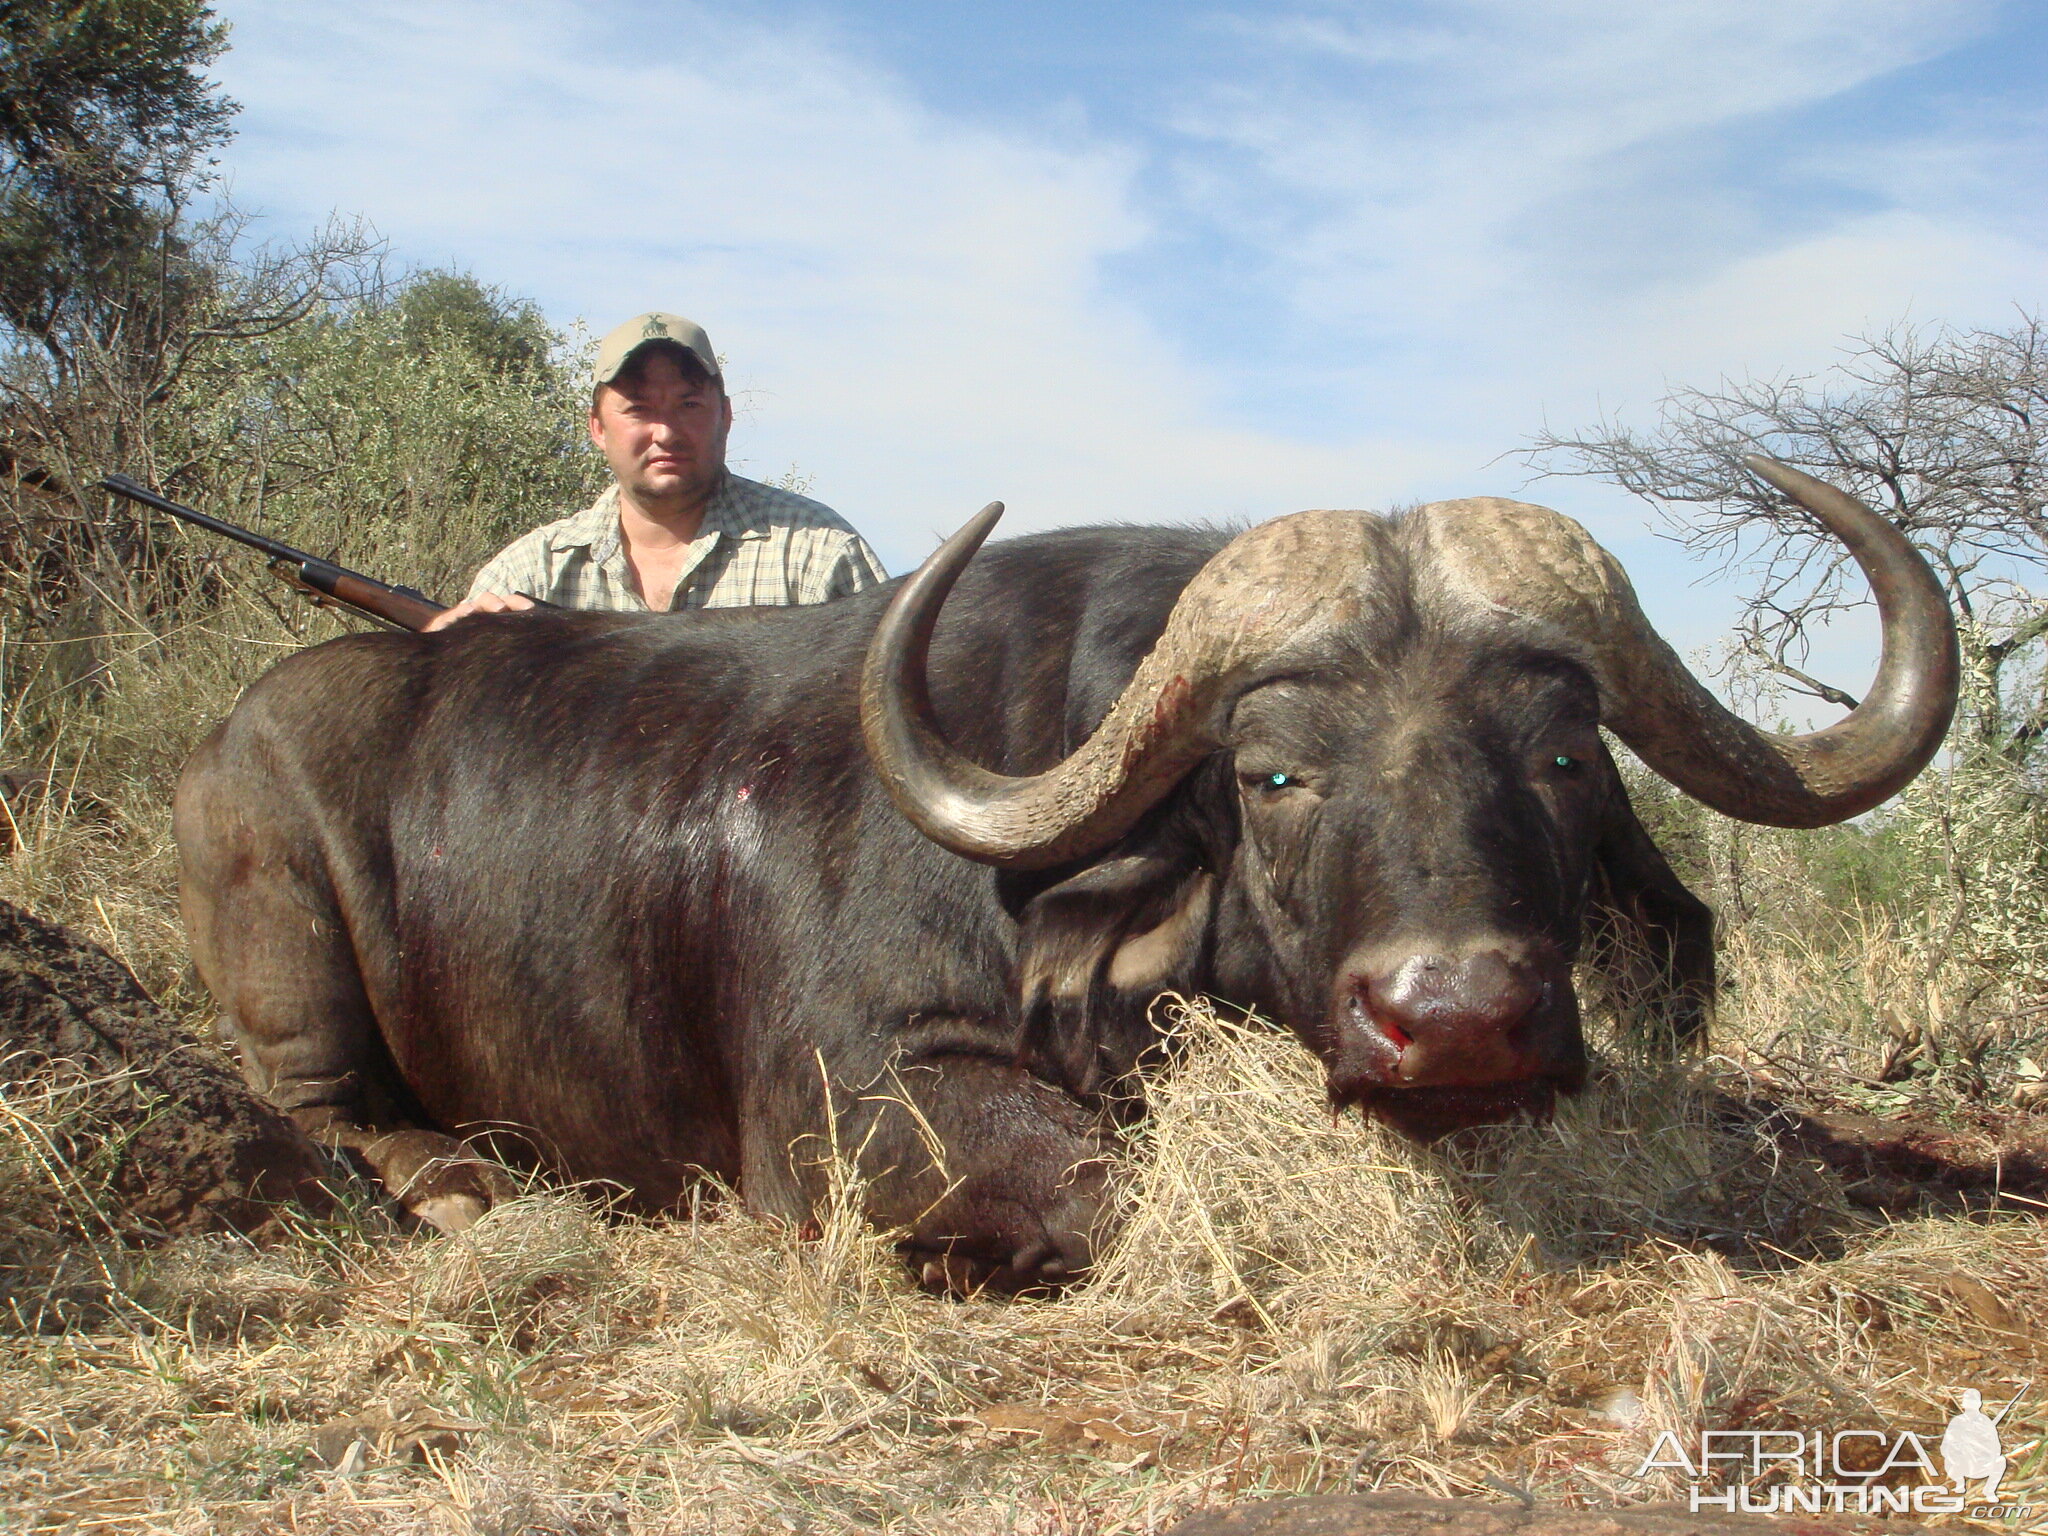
(637, 332)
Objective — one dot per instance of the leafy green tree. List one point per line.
(106, 120)
(401, 422)
(117, 304)
(414, 429)
(505, 335)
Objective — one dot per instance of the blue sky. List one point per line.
(1162, 261)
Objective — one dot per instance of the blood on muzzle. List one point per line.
(1430, 1020)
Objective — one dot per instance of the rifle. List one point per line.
(321, 580)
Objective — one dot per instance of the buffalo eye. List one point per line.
(1567, 763)
(1269, 783)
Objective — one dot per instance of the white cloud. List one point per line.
(911, 304)
(1422, 143)
(1431, 237)
(1535, 208)
(1521, 163)
(1793, 306)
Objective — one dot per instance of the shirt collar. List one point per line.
(727, 513)
(595, 528)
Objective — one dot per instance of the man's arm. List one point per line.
(503, 585)
(483, 602)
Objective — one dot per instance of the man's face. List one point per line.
(662, 434)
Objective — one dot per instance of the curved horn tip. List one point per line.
(970, 535)
(1780, 474)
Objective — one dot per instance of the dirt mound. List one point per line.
(1911, 1164)
(122, 1122)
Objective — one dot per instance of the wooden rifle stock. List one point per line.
(322, 580)
(401, 606)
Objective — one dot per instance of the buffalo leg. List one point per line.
(997, 1179)
(269, 943)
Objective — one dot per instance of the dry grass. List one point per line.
(1298, 1303)
(61, 1254)
(87, 842)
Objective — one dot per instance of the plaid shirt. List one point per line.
(758, 545)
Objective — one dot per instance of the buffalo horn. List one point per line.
(1271, 590)
(1516, 561)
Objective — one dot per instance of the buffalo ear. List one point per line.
(1093, 953)
(1650, 940)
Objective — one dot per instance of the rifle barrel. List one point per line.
(401, 607)
(134, 490)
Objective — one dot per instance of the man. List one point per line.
(1970, 1447)
(677, 529)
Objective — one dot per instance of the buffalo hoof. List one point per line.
(437, 1178)
(982, 1240)
(448, 1214)
(1041, 1268)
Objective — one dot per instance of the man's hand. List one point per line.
(483, 602)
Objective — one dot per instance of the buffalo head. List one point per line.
(1359, 783)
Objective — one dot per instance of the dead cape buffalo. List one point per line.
(634, 888)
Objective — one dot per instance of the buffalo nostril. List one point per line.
(1371, 1019)
(1434, 1019)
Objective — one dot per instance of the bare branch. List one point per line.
(1945, 431)
(1770, 657)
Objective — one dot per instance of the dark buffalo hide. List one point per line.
(625, 893)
